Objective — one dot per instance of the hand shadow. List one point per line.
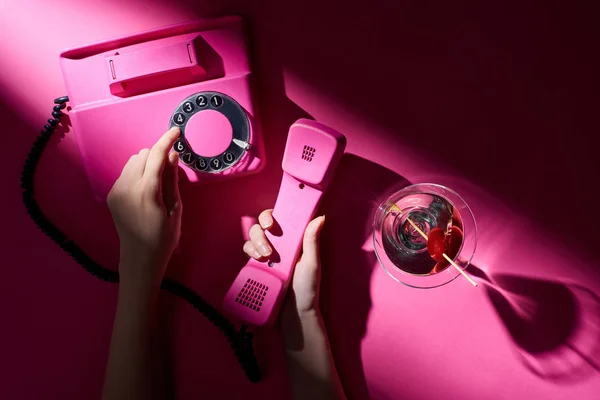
(555, 326)
(359, 186)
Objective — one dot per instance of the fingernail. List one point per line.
(265, 249)
(322, 222)
(256, 254)
(174, 208)
(321, 225)
(268, 223)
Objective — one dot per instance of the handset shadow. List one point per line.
(357, 189)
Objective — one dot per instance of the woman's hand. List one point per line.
(304, 295)
(146, 208)
(313, 375)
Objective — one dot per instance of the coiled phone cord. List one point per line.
(241, 342)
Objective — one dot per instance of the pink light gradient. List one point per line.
(494, 101)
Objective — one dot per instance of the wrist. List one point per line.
(140, 276)
(297, 326)
(309, 315)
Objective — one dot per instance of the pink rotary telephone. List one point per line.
(311, 155)
(126, 92)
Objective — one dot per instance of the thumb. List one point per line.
(310, 243)
(170, 184)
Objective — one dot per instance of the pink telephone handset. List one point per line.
(311, 155)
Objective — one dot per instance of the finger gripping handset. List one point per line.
(312, 153)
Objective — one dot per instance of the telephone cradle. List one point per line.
(125, 93)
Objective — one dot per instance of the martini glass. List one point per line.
(402, 250)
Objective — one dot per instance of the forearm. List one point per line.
(310, 365)
(132, 371)
(146, 207)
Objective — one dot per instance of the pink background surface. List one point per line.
(496, 102)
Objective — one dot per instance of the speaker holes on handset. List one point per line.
(308, 153)
(301, 186)
(254, 297)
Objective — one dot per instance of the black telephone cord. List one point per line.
(241, 342)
